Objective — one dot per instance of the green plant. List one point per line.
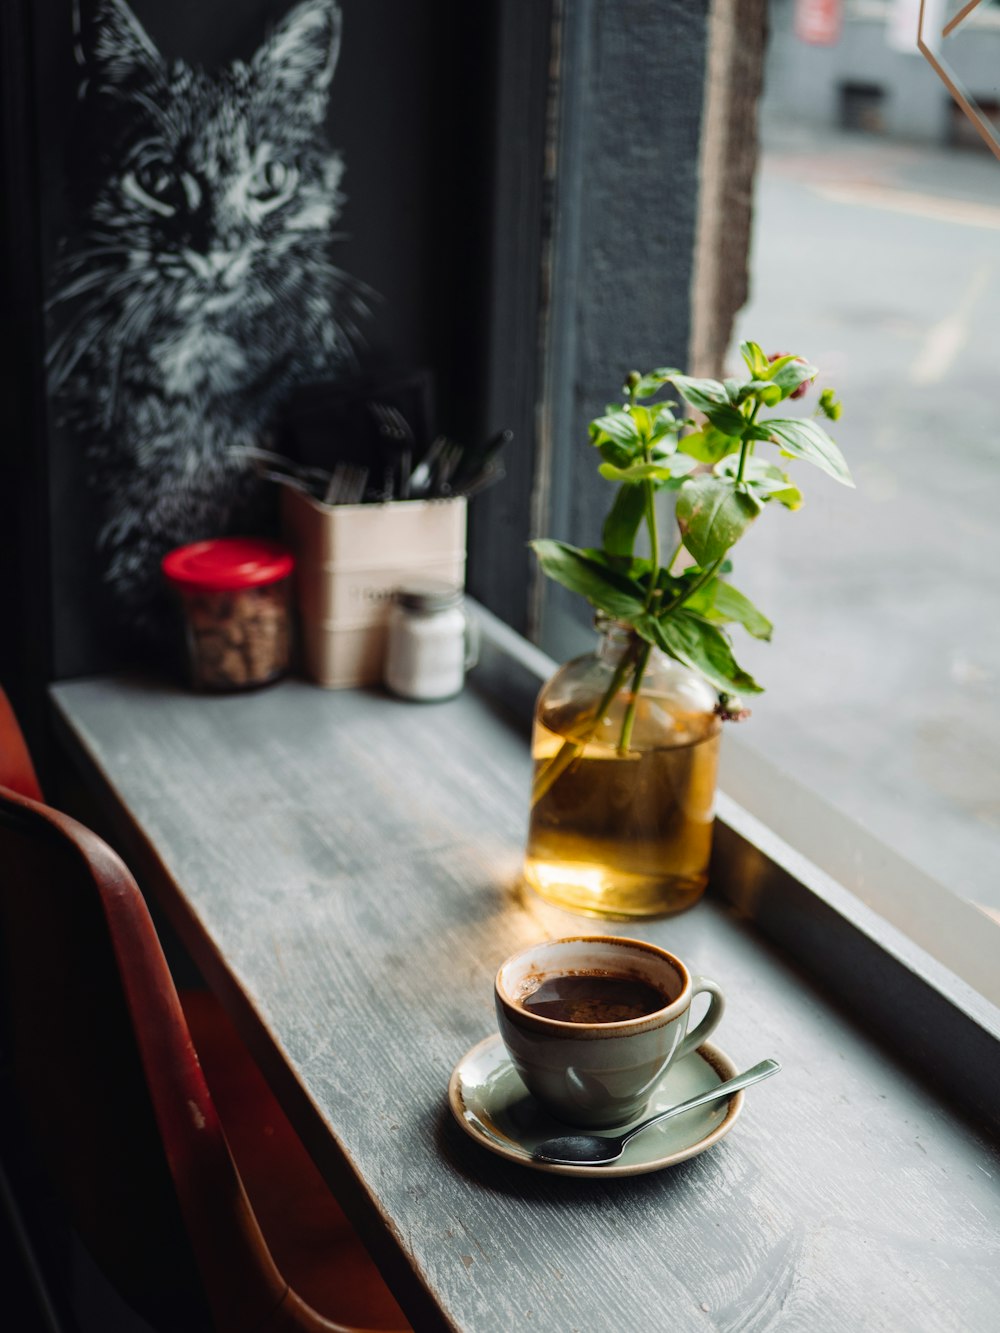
(722, 487)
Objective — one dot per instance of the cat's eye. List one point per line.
(156, 185)
(272, 182)
(155, 178)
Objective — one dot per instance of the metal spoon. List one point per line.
(597, 1150)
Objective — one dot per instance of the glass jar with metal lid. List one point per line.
(431, 642)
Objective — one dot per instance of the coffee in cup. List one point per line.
(592, 1023)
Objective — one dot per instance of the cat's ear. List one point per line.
(301, 54)
(117, 48)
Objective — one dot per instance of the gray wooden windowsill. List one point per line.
(344, 868)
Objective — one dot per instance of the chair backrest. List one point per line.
(17, 772)
(109, 1086)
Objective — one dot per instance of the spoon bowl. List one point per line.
(599, 1149)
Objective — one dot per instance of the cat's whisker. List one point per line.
(78, 320)
(348, 325)
(92, 320)
(61, 369)
(109, 281)
(345, 345)
(98, 246)
(95, 278)
(71, 265)
(352, 291)
(350, 330)
(83, 319)
(131, 324)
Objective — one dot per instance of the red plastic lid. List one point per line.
(226, 563)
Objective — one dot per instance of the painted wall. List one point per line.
(626, 217)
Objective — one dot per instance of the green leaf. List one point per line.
(731, 604)
(803, 438)
(789, 496)
(664, 469)
(650, 384)
(778, 363)
(758, 431)
(712, 515)
(765, 479)
(616, 454)
(768, 393)
(708, 445)
(617, 426)
(755, 358)
(788, 377)
(680, 464)
(665, 424)
(636, 472)
(720, 602)
(699, 645)
(830, 405)
(643, 417)
(700, 393)
(728, 419)
(579, 571)
(624, 517)
(631, 567)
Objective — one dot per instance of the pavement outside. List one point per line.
(880, 262)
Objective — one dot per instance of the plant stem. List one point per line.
(747, 446)
(654, 539)
(673, 556)
(628, 723)
(642, 661)
(625, 739)
(571, 750)
(704, 577)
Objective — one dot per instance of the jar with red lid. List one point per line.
(235, 598)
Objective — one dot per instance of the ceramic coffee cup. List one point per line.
(599, 1073)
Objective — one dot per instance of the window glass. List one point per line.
(876, 254)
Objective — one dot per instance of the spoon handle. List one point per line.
(764, 1070)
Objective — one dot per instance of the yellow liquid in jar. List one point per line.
(621, 836)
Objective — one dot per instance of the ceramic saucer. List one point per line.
(493, 1106)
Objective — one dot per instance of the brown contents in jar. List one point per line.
(238, 638)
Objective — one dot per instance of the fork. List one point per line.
(393, 426)
(347, 484)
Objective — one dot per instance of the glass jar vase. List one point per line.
(624, 784)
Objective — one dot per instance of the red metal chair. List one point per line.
(16, 769)
(113, 1099)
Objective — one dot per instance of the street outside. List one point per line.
(880, 262)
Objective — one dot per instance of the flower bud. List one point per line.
(803, 388)
(730, 708)
(830, 405)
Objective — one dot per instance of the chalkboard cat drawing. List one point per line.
(201, 289)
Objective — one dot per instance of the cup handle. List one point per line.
(716, 1006)
(471, 641)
